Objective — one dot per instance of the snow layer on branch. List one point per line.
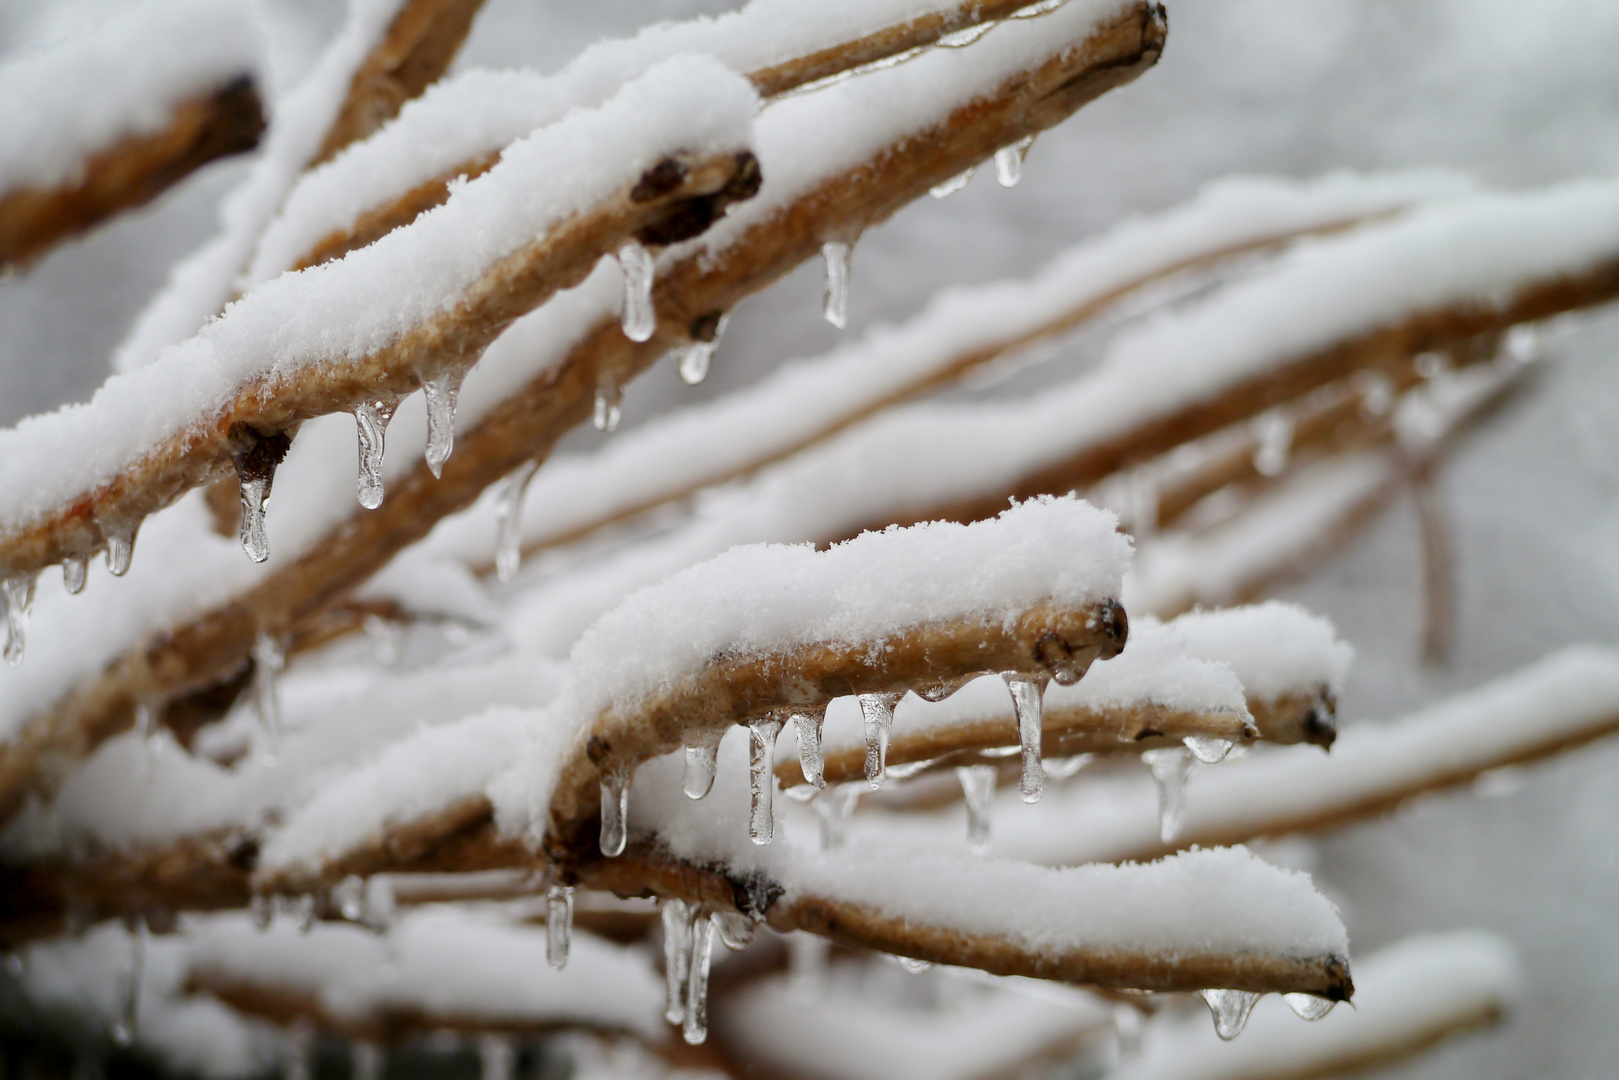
(709, 442)
(60, 106)
(342, 311)
(1405, 996)
(1275, 648)
(441, 963)
(771, 598)
(201, 285)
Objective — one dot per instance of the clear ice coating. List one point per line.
(736, 930)
(762, 735)
(1274, 430)
(832, 809)
(1231, 1009)
(1042, 7)
(509, 520)
(1308, 1006)
(954, 184)
(120, 548)
(497, 1057)
(637, 318)
(694, 1027)
(1026, 693)
(835, 261)
(811, 760)
(371, 422)
(615, 811)
(251, 532)
(129, 1004)
(17, 597)
(677, 919)
(268, 660)
(1009, 161)
(74, 570)
(877, 710)
(348, 896)
(366, 1061)
(441, 392)
(1209, 749)
(912, 964)
(957, 39)
(978, 791)
(702, 758)
(607, 411)
(1170, 768)
(558, 924)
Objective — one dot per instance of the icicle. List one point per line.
(1026, 694)
(607, 411)
(1127, 1030)
(146, 735)
(348, 897)
(120, 548)
(441, 392)
(1208, 749)
(509, 520)
(366, 1061)
(558, 924)
(295, 1065)
(1170, 768)
(379, 904)
(762, 735)
(497, 1057)
(1308, 1006)
(1230, 1009)
(1009, 161)
(251, 532)
(701, 758)
(937, 692)
(17, 597)
(637, 318)
(1063, 768)
(615, 810)
(736, 930)
(806, 960)
(832, 810)
(835, 259)
(978, 791)
(953, 185)
(372, 419)
(268, 660)
(677, 919)
(878, 712)
(694, 1027)
(1274, 430)
(911, 963)
(303, 906)
(694, 358)
(74, 570)
(262, 910)
(811, 761)
(123, 1028)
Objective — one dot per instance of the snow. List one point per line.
(1277, 649)
(62, 105)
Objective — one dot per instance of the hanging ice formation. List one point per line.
(978, 791)
(806, 960)
(441, 392)
(1208, 749)
(954, 184)
(262, 911)
(74, 569)
(1170, 768)
(702, 758)
(615, 809)
(811, 760)
(832, 809)
(694, 358)
(120, 547)
(1274, 430)
(1231, 1009)
(123, 1028)
(268, 660)
(146, 734)
(762, 735)
(509, 520)
(366, 1061)
(17, 598)
(912, 964)
(348, 896)
(497, 1057)
(1026, 693)
(371, 421)
(877, 710)
(688, 941)
(694, 1027)
(558, 924)
(637, 317)
(1127, 1030)
(735, 929)
(835, 256)
(1009, 161)
(1308, 1006)
(606, 412)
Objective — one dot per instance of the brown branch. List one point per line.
(131, 173)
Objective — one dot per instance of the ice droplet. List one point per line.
(1009, 162)
(251, 532)
(762, 735)
(677, 919)
(694, 1028)
(1274, 430)
(978, 791)
(348, 896)
(124, 1027)
(702, 758)
(509, 520)
(145, 732)
(371, 423)
(806, 961)
(694, 360)
(1308, 1006)
(912, 964)
(811, 760)
(835, 262)
(736, 930)
(262, 911)
(268, 660)
(74, 570)
(17, 597)
(954, 184)
(497, 1057)
(558, 924)
(937, 692)
(120, 548)
(615, 810)
(1170, 768)
(637, 317)
(1026, 694)
(1376, 392)
(441, 392)
(832, 809)
(366, 1061)
(1208, 749)
(607, 411)
(877, 710)
(379, 904)
(304, 908)
(1064, 768)
(1231, 1009)
(1523, 343)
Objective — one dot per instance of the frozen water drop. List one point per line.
(736, 930)
(832, 810)
(120, 548)
(251, 532)
(1523, 343)
(1308, 1006)
(877, 711)
(702, 757)
(366, 1061)
(558, 924)
(694, 1026)
(937, 692)
(509, 520)
(912, 964)
(978, 792)
(694, 361)
(1127, 1030)
(607, 410)
(1231, 1009)
(1041, 7)
(806, 961)
(954, 184)
(74, 570)
(441, 392)
(1170, 768)
(1026, 693)
(615, 810)
(1376, 392)
(1208, 749)
(124, 1027)
(1274, 432)
(17, 597)
(497, 1057)
(145, 732)
(811, 760)
(1009, 162)
(262, 911)
(835, 256)
(762, 735)
(637, 317)
(379, 904)
(1064, 768)
(268, 660)
(304, 908)
(348, 896)
(677, 920)
(371, 422)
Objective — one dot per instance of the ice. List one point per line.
(441, 391)
(1026, 694)
(497, 1057)
(558, 924)
(1208, 749)
(1170, 770)
(509, 521)
(1231, 1009)
(736, 930)
(832, 809)
(367, 1061)
(268, 660)
(120, 547)
(349, 897)
(250, 532)
(694, 1025)
(371, 420)
(1274, 430)
(835, 255)
(124, 1028)
(1009, 162)
(637, 316)
(262, 910)
(1308, 1006)
(811, 760)
(606, 412)
(957, 39)
(615, 808)
(74, 571)
(978, 792)
(762, 735)
(954, 184)
(17, 598)
(877, 710)
(677, 919)
(702, 758)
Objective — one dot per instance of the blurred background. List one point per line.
(1516, 94)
